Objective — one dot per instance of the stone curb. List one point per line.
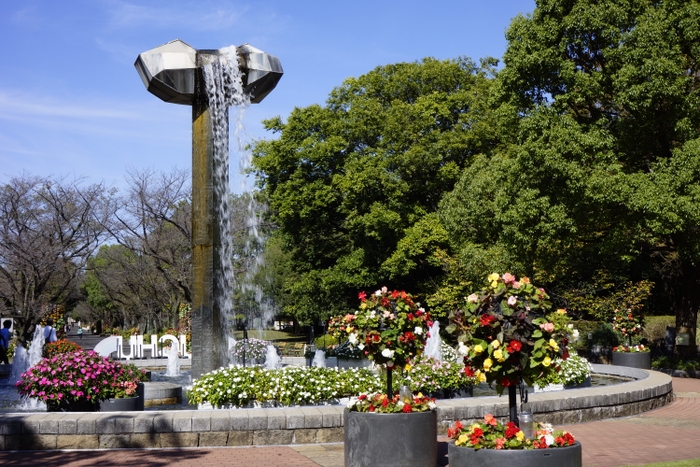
(309, 425)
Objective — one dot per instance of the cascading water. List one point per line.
(224, 89)
(25, 359)
(433, 343)
(319, 359)
(272, 359)
(173, 368)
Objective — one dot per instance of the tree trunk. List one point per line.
(687, 313)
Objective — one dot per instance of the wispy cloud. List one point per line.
(189, 15)
(23, 106)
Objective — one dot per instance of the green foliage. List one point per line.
(603, 335)
(353, 186)
(655, 327)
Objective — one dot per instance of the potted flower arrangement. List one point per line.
(491, 442)
(574, 372)
(442, 379)
(78, 381)
(509, 335)
(390, 329)
(630, 325)
(251, 350)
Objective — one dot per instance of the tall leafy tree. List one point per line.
(354, 185)
(603, 180)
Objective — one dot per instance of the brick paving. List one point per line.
(670, 433)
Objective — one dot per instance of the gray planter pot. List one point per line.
(554, 457)
(633, 359)
(391, 440)
(586, 383)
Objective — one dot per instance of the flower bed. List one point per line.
(492, 434)
(255, 350)
(238, 386)
(430, 376)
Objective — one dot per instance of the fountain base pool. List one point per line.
(308, 425)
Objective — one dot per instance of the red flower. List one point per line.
(514, 346)
(478, 432)
(410, 316)
(469, 371)
(385, 402)
(485, 320)
(362, 397)
(511, 430)
(385, 301)
(395, 294)
(371, 408)
(362, 296)
(505, 382)
(406, 408)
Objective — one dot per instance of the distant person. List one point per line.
(49, 332)
(5, 341)
(80, 333)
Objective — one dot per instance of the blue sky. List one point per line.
(72, 104)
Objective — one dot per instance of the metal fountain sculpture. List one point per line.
(174, 73)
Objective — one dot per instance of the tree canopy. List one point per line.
(354, 185)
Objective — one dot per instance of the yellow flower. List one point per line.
(498, 355)
(495, 344)
(487, 364)
(553, 344)
(547, 361)
(462, 440)
(481, 377)
(419, 395)
(520, 435)
(478, 349)
(493, 277)
(561, 311)
(407, 367)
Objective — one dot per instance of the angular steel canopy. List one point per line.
(168, 71)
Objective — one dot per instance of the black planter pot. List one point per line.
(569, 456)
(390, 440)
(640, 360)
(71, 406)
(127, 404)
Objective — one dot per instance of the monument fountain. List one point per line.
(210, 81)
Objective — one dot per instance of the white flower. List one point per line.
(575, 335)
(400, 404)
(360, 346)
(432, 405)
(549, 439)
(418, 331)
(463, 349)
(387, 353)
(353, 338)
(378, 293)
(473, 298)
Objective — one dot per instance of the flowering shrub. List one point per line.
(389, 328)
(428, 375)
(491, 434)
(381, 403)
(255, 349)
(631, 348)
(507, 333)
(60, 346)
(79, 376)
(629, 324)
(238, 386)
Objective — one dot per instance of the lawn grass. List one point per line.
(688, 463)
(272, 335)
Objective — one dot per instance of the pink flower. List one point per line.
(548, 327)
(512, 300)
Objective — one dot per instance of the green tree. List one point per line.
(603, 178)
(353, 186)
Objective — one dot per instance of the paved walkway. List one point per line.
(670, 433)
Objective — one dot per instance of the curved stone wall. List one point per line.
(307, 425)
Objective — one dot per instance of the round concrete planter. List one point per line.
(390, 440)
(354, 362)
(640, 360)
(127, 404)
(554, 457)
